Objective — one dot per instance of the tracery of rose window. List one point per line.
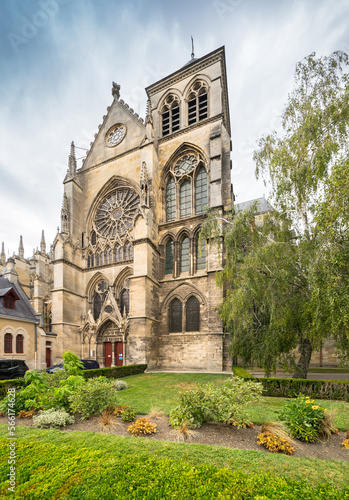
(116, 213)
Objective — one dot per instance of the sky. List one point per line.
(58, 59)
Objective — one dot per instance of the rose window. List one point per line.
(116, 213)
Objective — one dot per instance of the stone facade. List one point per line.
(116, 283)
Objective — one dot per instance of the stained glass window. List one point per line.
(185, 199)
(118, 254)
(97, 305)
(170, 199)
(169, 257)
(200, 191)
(128, 251)
(192, 315)
(200, 255)
(185, 255)
(125, 302)
(175, 316)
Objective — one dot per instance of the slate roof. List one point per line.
(262, 205)
(23, 309)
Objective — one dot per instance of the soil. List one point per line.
(211, 433)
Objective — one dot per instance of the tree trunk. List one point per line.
(305, 349)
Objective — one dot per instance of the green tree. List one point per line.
(275, 269)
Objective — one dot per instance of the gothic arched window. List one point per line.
(200, 254)
(175, 316)
(185, 199)
(108, 256)
(192, 315)
(97, 306)
(170, 115)
(99, 258)
(170, 199)
(125, 302)
(128, 251)
(200, 191)
(169, 257)
(118, 254)
(184, 264)
(93, 238)
(19, 344)
(197, 103)
(8, 343)
(90, 260)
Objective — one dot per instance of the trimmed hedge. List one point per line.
(318, 389)
(115, 371)
(291, 387)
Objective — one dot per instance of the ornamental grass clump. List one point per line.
(306, 420)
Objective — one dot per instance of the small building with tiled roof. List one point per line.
(20, 334)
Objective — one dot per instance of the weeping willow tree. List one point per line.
(285, 275)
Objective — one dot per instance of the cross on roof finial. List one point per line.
(192, 48)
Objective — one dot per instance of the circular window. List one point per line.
(115, 135)
(115, 214)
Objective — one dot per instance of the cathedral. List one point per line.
(131, 283)
(127, 279)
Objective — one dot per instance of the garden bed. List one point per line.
(211, 433)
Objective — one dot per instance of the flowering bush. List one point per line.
(305, 420)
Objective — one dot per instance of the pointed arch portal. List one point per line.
(110, 345)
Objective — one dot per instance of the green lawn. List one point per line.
(160, 390)
(82, 465)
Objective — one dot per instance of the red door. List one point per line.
(108, 351)
(119, 354)
(48, 357)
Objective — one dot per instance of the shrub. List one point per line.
(72, 363)
(118, 410)
(141, 427)
(53, 418)
(128, 414)
(120, 385)
(26, 414)
(92, 397)
(275, 443)
(305, 420)
(16, 404)
(221, 404)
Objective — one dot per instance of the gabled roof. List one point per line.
(23, 309)
(262, 205)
